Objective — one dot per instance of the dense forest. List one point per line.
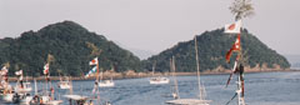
(68, 43)
(213, 46)
(73, 46)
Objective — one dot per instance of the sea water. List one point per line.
(273, 88)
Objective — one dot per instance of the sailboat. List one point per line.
(159, 79)
(63, 84)
(201, 100)
(106, 83)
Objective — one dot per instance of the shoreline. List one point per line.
(133, 75)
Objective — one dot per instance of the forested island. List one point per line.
(71, 45)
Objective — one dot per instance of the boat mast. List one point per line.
(35, 87)
(198, 69)
(97, 74)
(173, 68)
(153, 68)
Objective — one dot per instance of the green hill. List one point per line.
(213, 46)
(67, 42)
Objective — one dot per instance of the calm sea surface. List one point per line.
(276, 88)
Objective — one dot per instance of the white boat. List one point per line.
(188, 102)
(106, 83)
(7, 98)
(197, 101)
(26, 100)
(6, 90)
(159, 80)
(25, 88)
(46, 100)
(64, 85)
(77, 99)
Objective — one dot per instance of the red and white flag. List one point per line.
(20, 72)
(235, 47)
(234, 28)
(46, 69)
(94, 61)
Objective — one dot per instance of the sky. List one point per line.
(155, 25)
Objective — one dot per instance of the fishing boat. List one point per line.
(6, 93)
(23, 87)
(197, 101)
(77, 99)
(6, 90)
(47, 97)
(158, 80)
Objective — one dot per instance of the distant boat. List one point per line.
(63, 84)
(158, 80)
(106, 83)
(201, 100)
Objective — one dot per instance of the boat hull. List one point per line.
(160, 80)
(7, 98)
(64, 86)
(107, 83)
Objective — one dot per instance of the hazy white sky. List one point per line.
(155, 25)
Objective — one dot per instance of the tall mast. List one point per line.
(97, 74)
(198, 69)
(173, 68)
(35, 87)
(153, 68)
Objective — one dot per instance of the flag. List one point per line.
(94, 69)
(46, 69)
(232, 72)
(235, 47)
(233, 28)
(94, 61)
(20, 72)
(4, 70)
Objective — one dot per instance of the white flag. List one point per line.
(20, 72)
(234, 28)
(94, 61)
(4, 71)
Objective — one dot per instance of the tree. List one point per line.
(242, 9)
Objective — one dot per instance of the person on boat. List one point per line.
(21, 84)
(174, 95)
(91, 102)
(107, 103)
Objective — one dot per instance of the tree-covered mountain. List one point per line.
(68, 42)
(213, 46)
